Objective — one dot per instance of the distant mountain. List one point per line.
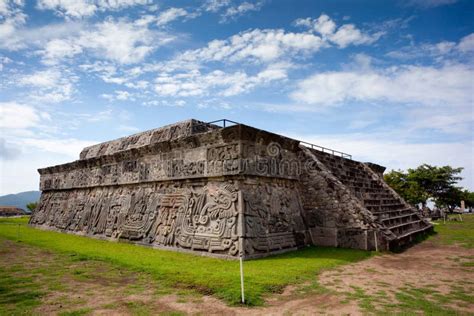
(20, 199)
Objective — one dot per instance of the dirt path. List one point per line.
(425, 273)
(428, 272)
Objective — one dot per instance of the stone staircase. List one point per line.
(401, 222)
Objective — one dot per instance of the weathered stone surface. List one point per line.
(231, 191)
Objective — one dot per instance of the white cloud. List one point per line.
(164, 102)
(10, 7)
(123, 95)
(269, 51)
(7, 151)
(345, 35)
(85, 8)
(424, 99)
(348, 34)
(217, 82)
(258, 45)
(52, 85)
(119, 41)
(170, 15)
(466, 44)
(11, 19)
(20, 173)
(450, 84)
(4, 61)
(18, 116)
(110, 73)
(215, 5)
(75, 8)
(69, 146)
(120, 4)
(438, 51)
(242, 8)
(43, 79)
(447, 119)
(119, 95)
(266, 50)
(22, 37)
(323, 25)
(107, 71)
(58, 49)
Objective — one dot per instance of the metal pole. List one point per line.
(376, 242)
(242, 279)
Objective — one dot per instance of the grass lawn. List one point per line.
(207, 275)
(456, 231)
(43, 272)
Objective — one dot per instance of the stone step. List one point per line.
(398, 226)
(386, 207)
(381, 215)
(398, 217)
(406, 227)
(408, 236)
(381, 195)
(369, 190)
(414, 231)
(373, 202)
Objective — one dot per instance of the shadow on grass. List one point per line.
(318, 252)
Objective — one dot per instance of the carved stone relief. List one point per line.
(202, 218)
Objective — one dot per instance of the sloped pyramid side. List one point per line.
(361, 201)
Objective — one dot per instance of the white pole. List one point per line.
(242, 279)
(376, 243)
(241, 232)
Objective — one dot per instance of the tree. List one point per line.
(438, 182)
(417, 185)
(468, 198)
(408, 189)
(31, 206)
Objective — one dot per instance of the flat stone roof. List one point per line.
(165, 133)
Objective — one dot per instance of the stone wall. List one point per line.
(226, 192)
(200, 215)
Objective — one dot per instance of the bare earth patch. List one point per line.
(426, 268)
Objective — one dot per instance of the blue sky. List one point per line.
(388, 81)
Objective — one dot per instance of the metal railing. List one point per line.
(310, 145)
(327, 150)
(216, 122)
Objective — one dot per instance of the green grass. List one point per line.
(32, 278)
(78, 312)
(456, 232)
(206, 275)
(411, 300)
(18, 295)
